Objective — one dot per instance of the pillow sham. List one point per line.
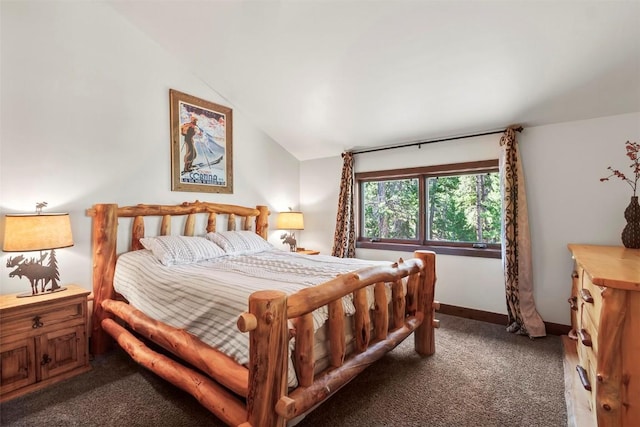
(239, 242)
(172, 250)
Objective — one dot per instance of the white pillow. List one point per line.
(239, 242)
(172, 250)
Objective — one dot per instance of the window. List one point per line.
(450, 209)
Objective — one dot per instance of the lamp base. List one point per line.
(29, 294)
(289, 239)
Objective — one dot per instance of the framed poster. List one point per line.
(201, 145)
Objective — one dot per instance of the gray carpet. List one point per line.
(479, 376)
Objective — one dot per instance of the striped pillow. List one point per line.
(239, 242)
(172, 250)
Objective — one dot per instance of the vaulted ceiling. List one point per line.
(323, 76)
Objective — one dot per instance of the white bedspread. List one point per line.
(206, 298)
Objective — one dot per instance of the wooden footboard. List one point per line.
(267, 320)
(258, 395)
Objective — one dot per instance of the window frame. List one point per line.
(492, 250)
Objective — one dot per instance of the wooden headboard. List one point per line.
(105, 236)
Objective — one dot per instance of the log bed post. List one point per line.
(268, 353)
(262, 221)
(424, 334)
(104, 237)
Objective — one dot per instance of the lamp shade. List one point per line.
(290, 221)
(36, 232)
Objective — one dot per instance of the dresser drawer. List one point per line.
(41, 317)
(587, 332)
(587, 360)
(590, 295)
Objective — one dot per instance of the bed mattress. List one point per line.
(206, 298)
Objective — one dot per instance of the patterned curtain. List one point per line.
(523, 317)
(344, 239)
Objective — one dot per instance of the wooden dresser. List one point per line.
(43, 340)
(604, 344)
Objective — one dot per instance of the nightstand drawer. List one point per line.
(37, 319)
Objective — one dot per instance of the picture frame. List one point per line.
(201, 144)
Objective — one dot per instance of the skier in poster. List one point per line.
(189, 130)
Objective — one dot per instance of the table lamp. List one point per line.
(37, 232)
(290, 221)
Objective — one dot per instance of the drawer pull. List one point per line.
(45, 359)
(574, 275)
(573, 303)
(586, 296)
(37, 323)
(585, 337)
(584, 379)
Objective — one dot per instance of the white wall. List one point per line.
(84, 118)
(567, 201)
(567, 204)
(319, 188)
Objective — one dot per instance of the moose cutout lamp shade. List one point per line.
(37, 232)
(290, 221)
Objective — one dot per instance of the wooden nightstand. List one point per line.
(43, 340)
(307, 251)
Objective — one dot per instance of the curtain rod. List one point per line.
(413, 144)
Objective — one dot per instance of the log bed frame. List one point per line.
(258, 395)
